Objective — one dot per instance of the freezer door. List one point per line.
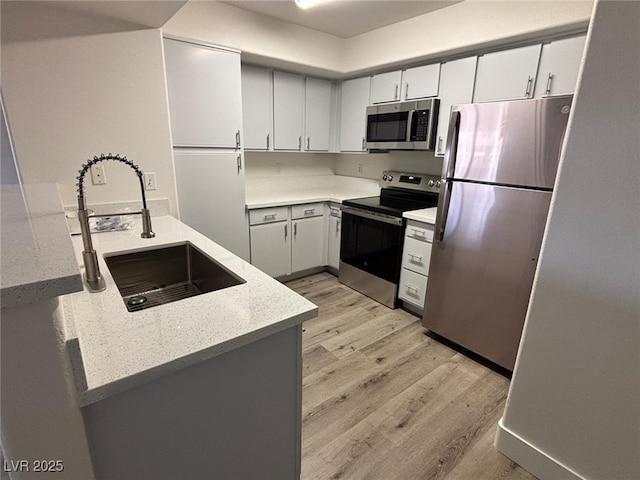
(482, 268)
(509, 143)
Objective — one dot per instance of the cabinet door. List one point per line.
(559, 66)
(506, 75)
(317, 114)
(307, 247)
(385, 87)
(218, 213)
(420, 82)
(288, 111)
(456, 86)
(257, 108)
(333, 251)
(271, 248)
(205, 95)
(353, 120)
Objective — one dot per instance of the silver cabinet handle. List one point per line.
(300, 143)
(310, 211)
(395, 94)
(406, 91)
(411, 287)
(413, 256)
(238, 139)
(362, 143)
(270, 217)
(239, 163)
(527, 92)
(439, 145)
(338, 226)
(285, 231)
(295, 229)
(419, 233)
(267, 141)
(308, 143)
(548, 89)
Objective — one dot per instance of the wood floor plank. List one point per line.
(383, 401)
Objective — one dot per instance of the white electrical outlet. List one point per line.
(360, 169)
(97, 175)
(150, 181)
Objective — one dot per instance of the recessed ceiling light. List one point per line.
(307, 3)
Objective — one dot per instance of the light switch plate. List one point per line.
(150, 181)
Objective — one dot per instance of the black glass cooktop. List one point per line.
(394, 202)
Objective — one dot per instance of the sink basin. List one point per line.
(157, 276)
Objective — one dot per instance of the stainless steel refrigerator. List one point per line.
(498, 176)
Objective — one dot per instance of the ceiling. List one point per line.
(343, 18)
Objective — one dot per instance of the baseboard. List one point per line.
(535, 461)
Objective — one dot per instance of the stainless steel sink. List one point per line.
(157, 276)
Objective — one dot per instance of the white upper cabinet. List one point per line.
(506, 75)
(385, 87)
(456, 86)
(420, 82)
(559, 65)
(257, 108)
(205, 95)
(317, 114)
(288, 111)
(353, 104)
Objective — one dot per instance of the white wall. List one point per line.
(574, 403)
(70, 97)
(471, 25)
(373, 164)
(461, 27)
(262, 39)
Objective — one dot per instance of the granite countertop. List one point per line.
(280, 191)
(37, 258)
(121, 349)
(425, 215)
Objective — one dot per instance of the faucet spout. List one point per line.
(94, 279)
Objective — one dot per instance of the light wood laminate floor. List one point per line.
(382, 400)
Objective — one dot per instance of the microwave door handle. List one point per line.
(412, 114)
(451, 149)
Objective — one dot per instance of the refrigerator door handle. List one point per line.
(451, 149)
(443, 210)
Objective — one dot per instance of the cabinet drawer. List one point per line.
(267, 215)
(412, 288)
(307, 210)
(419, 231)
(416, 255)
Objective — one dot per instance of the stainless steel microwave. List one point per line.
(402, 126)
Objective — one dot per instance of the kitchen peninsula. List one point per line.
(208, 379)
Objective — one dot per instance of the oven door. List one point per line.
(372, 242)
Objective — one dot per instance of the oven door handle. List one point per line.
(381, 217)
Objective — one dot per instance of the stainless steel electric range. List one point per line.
(373, 233)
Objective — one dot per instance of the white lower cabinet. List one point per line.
(415, 263)
(271, 248)
(333, 236)
(286, 240)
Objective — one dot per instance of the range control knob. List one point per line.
(438, 183)
(390, 178)
(431, 183)
(384, 177)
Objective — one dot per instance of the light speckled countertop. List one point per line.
(37, 257)
(426, 215)
(279, 191)
(121, 349)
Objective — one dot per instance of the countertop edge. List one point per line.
(93, 395)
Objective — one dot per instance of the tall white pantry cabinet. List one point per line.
(205, 107)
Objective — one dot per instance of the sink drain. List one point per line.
(137, 300)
